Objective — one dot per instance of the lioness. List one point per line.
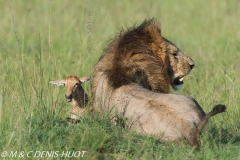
(141, 55)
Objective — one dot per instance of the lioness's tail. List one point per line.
(217, 109)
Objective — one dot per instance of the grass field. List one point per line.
(47, 40)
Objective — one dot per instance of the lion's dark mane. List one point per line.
(137, 55)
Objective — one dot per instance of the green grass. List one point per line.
(47, 40)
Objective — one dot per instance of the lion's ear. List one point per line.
(154, 31)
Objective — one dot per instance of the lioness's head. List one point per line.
(180, 65)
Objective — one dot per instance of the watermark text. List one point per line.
(43, 154)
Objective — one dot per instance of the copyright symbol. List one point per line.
(4, 154)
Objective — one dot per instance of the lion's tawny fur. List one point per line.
(136, 65)
(171, 117)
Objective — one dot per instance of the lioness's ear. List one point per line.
(85, 79)
(58, 82)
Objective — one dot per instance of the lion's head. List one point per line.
(180, 65)
(177, 63)
(142, 55)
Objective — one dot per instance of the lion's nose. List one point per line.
(192, 65)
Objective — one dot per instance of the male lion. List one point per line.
(136, 65)
(141, 55)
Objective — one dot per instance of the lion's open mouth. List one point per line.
(69, 99)
(178, 80)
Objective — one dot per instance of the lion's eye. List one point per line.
(175, 54)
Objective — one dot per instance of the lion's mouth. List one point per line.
(178, 80)
(69, 99)
(177, 83)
